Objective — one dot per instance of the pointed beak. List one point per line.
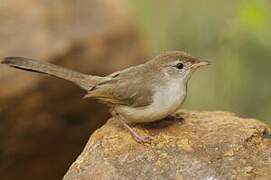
(200, 64)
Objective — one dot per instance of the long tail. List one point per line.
(86, 82)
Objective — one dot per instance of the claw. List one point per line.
(136, 136)
(142, 139)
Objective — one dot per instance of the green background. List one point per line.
(235, 35)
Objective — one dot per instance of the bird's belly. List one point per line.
(163, 105)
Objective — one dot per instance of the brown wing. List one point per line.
(126, 87)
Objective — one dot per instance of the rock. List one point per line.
(86, 34)
(44, 122)
(204, 145)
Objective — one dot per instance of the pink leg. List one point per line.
(136, 136)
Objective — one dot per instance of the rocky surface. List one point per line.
(205, 145)
(44, 122)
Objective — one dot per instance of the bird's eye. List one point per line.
(179, 65)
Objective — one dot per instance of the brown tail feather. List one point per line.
(86, 82)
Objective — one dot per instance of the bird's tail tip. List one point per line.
(9, 60)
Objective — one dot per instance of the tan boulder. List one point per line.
(205, 145)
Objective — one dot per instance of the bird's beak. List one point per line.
(199, 64)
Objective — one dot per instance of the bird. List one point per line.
(143, 93)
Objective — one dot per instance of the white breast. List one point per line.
(166, 100)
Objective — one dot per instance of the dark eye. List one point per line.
(179, 65)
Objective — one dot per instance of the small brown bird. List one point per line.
(144, 93)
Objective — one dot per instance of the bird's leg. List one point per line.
(175, 118)
(136, 136)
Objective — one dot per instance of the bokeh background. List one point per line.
(44, 123)
(234, 35)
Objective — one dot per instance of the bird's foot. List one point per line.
(175, 118)
(141, 139)
(135, 135)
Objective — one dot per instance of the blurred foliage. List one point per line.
(235, 35)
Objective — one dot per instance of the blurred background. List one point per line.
(44, 123)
